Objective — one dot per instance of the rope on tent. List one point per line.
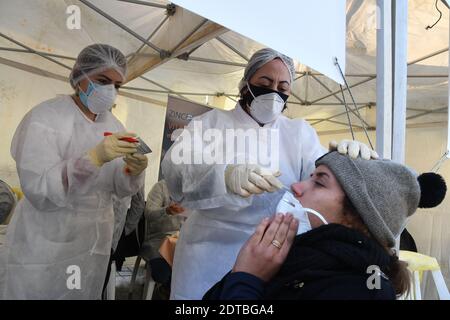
(336, 62)
(347, 113)
(439, 19)
(438, 164)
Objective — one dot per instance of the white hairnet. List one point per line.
(260, 58)
(97, 58)
(7, 201)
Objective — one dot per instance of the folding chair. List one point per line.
(149, 284)
(111, 286)
(418, 264)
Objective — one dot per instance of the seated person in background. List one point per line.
(127, 216)
(7, 202)
(162, 220)
(365, 205)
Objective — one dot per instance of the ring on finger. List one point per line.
(276, 243)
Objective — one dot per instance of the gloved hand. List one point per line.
(112, 147)
(247, 179)
(353, 149)
(135, 163)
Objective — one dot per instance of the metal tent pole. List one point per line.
(400, 88)
(162, 52)
(384, 79)
(144, 3)
(34, 51)
(448, 106)
(229, 46)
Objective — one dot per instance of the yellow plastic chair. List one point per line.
(417, 264)
(18, 192)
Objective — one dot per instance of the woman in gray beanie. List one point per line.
(347, 252)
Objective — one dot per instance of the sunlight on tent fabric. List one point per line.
(222, 102)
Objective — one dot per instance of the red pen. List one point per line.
(127, 139)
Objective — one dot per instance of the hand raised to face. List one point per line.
(265, 251)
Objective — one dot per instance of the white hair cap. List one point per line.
(260, 58)
(97, 58)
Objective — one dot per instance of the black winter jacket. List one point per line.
(329, 262)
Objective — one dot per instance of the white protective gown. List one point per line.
(65, 222)
(221, 222)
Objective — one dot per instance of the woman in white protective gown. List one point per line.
(59, 240)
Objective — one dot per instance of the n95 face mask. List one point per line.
(267, 104)
(289, 203)
(98, 98)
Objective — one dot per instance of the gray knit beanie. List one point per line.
(384, 192)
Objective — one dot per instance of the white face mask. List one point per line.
(98, 98)
(289, 203)
(267, 107)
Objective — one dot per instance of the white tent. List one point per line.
(208, 65)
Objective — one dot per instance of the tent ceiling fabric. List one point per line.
(186, 32)
(41, 25)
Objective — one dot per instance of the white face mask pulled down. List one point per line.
(289, 203)
(267, 107)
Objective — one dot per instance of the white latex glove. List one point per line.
(112, 147)
(135, 163)
(248, 179)
(353, 149)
